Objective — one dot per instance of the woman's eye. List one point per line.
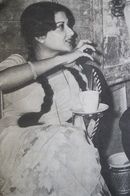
(60, 26)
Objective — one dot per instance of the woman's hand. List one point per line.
(82, 50)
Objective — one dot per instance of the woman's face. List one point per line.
(60, 39)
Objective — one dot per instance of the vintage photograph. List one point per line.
(64, 98)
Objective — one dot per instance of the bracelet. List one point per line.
(33, 70)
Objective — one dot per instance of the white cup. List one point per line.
(89, 100)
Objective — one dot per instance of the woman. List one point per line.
(51, 157)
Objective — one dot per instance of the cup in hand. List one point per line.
(89, 101)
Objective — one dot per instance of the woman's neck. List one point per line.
(44, 53)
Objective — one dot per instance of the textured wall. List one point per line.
(116, 42)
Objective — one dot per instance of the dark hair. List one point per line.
(39, 18)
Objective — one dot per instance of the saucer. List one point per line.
(102, 108)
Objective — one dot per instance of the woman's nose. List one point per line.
(69, 31)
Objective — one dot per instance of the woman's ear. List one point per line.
(40, 39)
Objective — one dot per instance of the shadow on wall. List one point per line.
(10, 38)
(3, 3)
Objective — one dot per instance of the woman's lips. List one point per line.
(69, 41)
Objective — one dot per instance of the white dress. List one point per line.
(53, 159)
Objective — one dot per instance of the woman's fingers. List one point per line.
(84, 50)
(85, 47)
(89, 56)
(82, 42)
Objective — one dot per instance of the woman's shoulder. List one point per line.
(12, 60)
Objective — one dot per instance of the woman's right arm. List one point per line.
(18, 75)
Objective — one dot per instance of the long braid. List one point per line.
(31, 118)
(82, 84)
(48, 98)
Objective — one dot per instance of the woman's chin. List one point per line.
(68, 49)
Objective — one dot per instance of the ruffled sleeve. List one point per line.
(12, 60)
